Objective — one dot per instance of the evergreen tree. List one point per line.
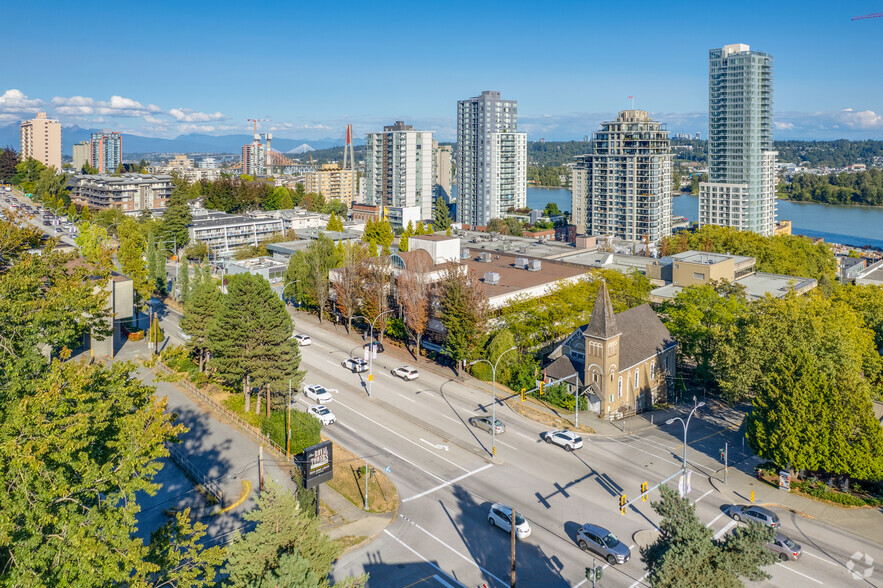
(184, 282)
(250, 338)
(403, 242)
(286, 203)
(686, 553)
(463, 311)
(131, 255)
(176, 218)
(320, 258)
(159, 265)
(441, 215)
(334, 223)
(420, 230)
(286, 547)
(199, 311)
(8, 162)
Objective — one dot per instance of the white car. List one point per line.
(499, 516)
(318, 393)
(566, 439)
(322, 413)
(356, 365)
(303, 340)
(406, 372)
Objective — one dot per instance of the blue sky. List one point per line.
(167, 68)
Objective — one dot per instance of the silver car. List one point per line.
(784, 547)
(754, 514)
(604, 543)
(484, 423)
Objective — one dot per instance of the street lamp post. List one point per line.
(494, 404)
(697, 405)
(282, 293)
(371, 354)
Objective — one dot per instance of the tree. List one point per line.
(199, 311)
(514, 227)
(686, 554)
(69, 482)
(497, 225)
(404, 243)
(286, 202)
(274, 198)
(250, 338)
(375, 295)
(8, 162)
(94, 244)
(552, 210)
(157, 267)
(380, 234)
(350, 278)
(441, 215)
(184, 282)
(178, 556)
(89, 170)
(286, 547)
(414, 293)
(320, 259)
(133, 247)
(334, 223)
(176, 218)
(51, 187)
(806, 418)
(464, 309)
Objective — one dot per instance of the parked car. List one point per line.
(484, 423)
(754, 514)
(406, 372)
(322, 413)
(566, 439)
(785, 548)
(501, 516)
(356, 365)
(318, 393)
(604, 543)
(377, 344)
(303, 340)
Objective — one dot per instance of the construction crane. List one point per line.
(256, 121)
(875, 15)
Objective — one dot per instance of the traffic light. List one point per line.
(622, 502)
(542, 385)
(522, 394)
(594, 574)
(643, 491)
(722, 453)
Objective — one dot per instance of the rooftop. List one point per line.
(514, 280)
(258, 263)
(228, 220)
(432, 238)
(757, 285)
(873, 275)
(708, 258)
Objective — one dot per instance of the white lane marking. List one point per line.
(781, 565)
(442, 582)
(406, 398)
(644, 451)
(581, 582)
(450, 419)
(403, 437)
(723, 531)
(703, 496)
(466, 558)
(427, 472)
(445, 447)
(527, 437)
(640, 580)
(824, 559)
(408, 547)
(693, 463)
(507, 445)
(715, 519)
(446, 484)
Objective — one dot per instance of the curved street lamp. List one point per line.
(371, 351)
(282, 293)
(494, 392)
(686, 424)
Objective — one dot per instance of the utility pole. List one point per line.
(512, 541)
(261, 466)
(726, 459)
(366, 483)
(288, 438)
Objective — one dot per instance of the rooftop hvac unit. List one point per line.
(464, 253)
(521, 262)
(535, 265)
(492, 278)
(484, 257)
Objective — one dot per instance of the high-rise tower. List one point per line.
(106, 151)
(398, 168)
(491, 159)
(623, 188)
(741, 187)
(41, 139)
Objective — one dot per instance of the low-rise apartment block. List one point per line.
(224, 232)
(333, 183)
(126, 192)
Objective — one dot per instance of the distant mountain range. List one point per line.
(192, 143)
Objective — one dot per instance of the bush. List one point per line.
(306, 430)
(822, 492)
(482, 371)
(395, 328)
(559, 396)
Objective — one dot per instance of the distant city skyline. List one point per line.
(312, 73)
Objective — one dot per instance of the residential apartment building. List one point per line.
(441, 171)
(81, 155)
(41, 139)
(106, 151)
(333, 183)
(741, 187)
(224, 232)
(254, 159)
(623, 188)
(398, 168)
(126, 192)
(491, 159)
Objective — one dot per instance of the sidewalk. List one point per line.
(348, 520)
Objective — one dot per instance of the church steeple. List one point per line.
(602, 325)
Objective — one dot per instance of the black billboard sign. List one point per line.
(315, 463)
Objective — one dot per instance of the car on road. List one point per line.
(484, 423)
(500, 516)
(784, 547)
(322, 413)
(303, 340)
(318, 393)
(754, 514)
(566, 439)
(604, 543)
(406, 372)
(356, 365)
(377, 345)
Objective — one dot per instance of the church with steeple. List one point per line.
(623, 363)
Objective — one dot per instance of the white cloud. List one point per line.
(117, 106)
(864, 120)
(208, 129)
(783, 126)
(14, 102)
(188, 115)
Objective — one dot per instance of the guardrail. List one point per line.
(246, 427)
(196, 475)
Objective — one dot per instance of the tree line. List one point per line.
(863, 187)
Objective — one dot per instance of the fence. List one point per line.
(196, 475)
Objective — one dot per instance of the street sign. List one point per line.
(370, 377)
(315, 463)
